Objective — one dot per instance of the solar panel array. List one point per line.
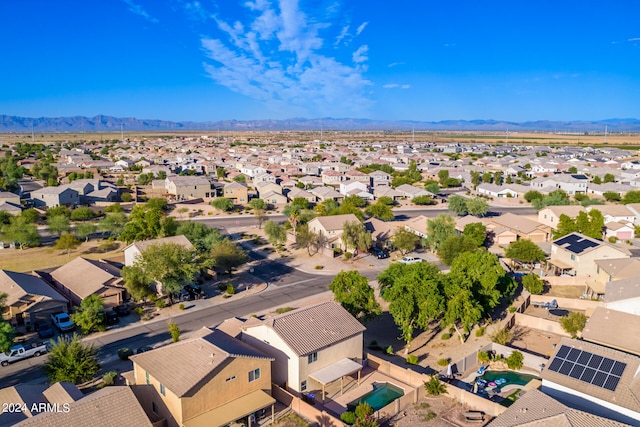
(576, 243)
(588, 367)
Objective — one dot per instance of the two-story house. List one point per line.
(189, 187)
(550, 215)
(312, 346)
(380, 179)
(211, 379)
(331, 228)
(236, 191)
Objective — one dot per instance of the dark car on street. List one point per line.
(379, 253)
(122, 310)
(111, 317)
(185, 295)
(44, 328)
(195, 291)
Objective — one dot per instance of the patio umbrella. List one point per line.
(449, 371)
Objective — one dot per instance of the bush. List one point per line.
(181, 306)
(319, 267)
(613, 239)
(514, 361)
(412, 359)
(443, 362)
(480, 331)
(230, 289)
(283, 310)
(348, 255)
(512, 309)
(434, 386)
(446, 336)
(363, 411)
(483, 356)
(389, 350)
(348, 418)
(501, 336)
(573, 323)
(139, 311)
(533, 284)
(124, 353)
(109, 378)
(174, 331)
(160, 303)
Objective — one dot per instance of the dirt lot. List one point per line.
(564, 291)
(433, 411)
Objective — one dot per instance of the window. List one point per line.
(573, 257)
(254, 375)
(313, 357)
(162, 390)
(154, 408)
(231, 378)
(146, 376)
(303, 386)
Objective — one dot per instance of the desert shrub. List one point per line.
(389, 350)
(348, 255)
(181, 306)
(512, 309)
(412, 359)
(573, 323)
(124, 353)
(107, 247)
(501, 336)
(283, 309)
(612, 239)
(230, 289)
(348, 417)
(514, 361)
(109, 378)
(446, 336)
(480, 331)
(434, 386)
(319, 267)
(160, 303)
(483, 356)
(363, 410)
(443, 362)
(174, 331)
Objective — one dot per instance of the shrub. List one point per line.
(139, 311)
(230, 289)
(512, 309)
(533, 284)
(124, 353)
(483, 356)
(434, 386)
(514, 361)
(319, 267)
(573, 323)
(612, 239)
(412, 359)
(363, 411)
(283, 309)
(109, 378)
(174, 330)
(446, 336)
(181, 306)
(480, 331)
(160, 303)
(501, 336)
(389, 350)
(107, 247)
(443, 362)
(348, 255)
(348, 418)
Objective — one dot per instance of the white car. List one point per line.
(410, 260)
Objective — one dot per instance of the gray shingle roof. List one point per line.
(313, 328)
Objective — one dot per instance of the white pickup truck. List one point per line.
(62, 321)
(22, 351)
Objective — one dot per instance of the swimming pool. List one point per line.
(381, 395)
(511, 377)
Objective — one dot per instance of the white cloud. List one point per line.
(396, 86)
(634, 39)
(395, 64)
(277, 57)
(360, 55)
(139, 10)
(361, 28)
(342, 35)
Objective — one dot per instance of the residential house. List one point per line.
(50, 197)
(295, 193)
(11, 198)
(384, 191)
(410, 191)
(522, 227)
(571, 184)
(608, 270)
(273, 198)
(604, 320)
(576, 254)
(81, 277)
(331, 177)
(211, 379)
(380, 179)
(594, 379)
(251, 170)
(236, 191)
(619, 230)
(355, 188)
(533, 407)
(417, 225)
(265, 187)
(312, 346)
(29, 298)
(617, 213)
(356, 175)
(550, 215)
(505, 190)
(609, 187)
(189, 187)
(67, 406)
(26, 395)
(264, 177)
(635, 208)
(623, 295)
(331, 228)
(381, 231)
(326, 193)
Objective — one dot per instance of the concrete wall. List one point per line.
(322, 418)
(570, 303)
(540, 324)
(405, 375)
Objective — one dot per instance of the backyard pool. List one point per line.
(511, 377)
(379, 397)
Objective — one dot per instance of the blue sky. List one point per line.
(275, 59)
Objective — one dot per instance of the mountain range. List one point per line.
(103, 123)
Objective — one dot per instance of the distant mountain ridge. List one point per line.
(112, 124)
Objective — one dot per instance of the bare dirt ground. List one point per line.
(565, 291)
(433, 411)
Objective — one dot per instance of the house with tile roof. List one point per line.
(604, 320)
(550, 215)
(575, 254)
(522, 227)
(331, 227)
(312, 346)
(222, 380)
(595, 379)
(29, 298)
(135, 249)
(237, 192)
(30, 394)
(81, 277)
(189, 187)
(417, 225)
(623, 295)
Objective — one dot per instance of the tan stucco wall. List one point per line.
(169, 407)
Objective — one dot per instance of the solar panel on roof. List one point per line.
(576, 243)
(588, 367)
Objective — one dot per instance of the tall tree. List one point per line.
(439, 229)
(477, 206)
(405, 240)
(352, 290)
(85, 229)
(148, 222)
(525, 251)
(113, 224)
(565, 226)
(453, 246)
(307, 238)
(58, 224)
(222, 204)
(200, 235)
(138, 284)
(21, 231)
(7, 333)
(276, 233)
(382, 211)
(89, 316)
(477, 232)
(227, 256)
(67, 242)
(355, 236)
(458, 205)
(71, 360)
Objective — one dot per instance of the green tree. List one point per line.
(405, 240)
(595, 226)
(200, 235)
(477, 206)
(526, 252)
(307, 238)
(58, 210)
(608, 178)
(532, 195)
(327, 207)
(171, 265)
(632, 196)
(458, 205)
(381, 211)
(7, 333)
(71, 360)
(276, 233)
(573, 323)
(116, 207)
(423, 200)
(439, 229)
(162, 175)
(113, 224)
(565, 226)
(435, 387)
(240, 178)
(67, 242)
(355, 236)
(352, 290)
(415, 296)
(572, 169)
(82, 214)
(611, 196)
(257, 204)
(58, 224)
(443, 176)
(477, 232)
(86, 229)
(432, 187)
(147, 222)
(21, 231)
(486, 177)
(386, 200)
(355, 201)
(227, 256)
(597, 180)
(453, 246)
(159, 203)
(475, 179)
(90, 315)
(30, 216)
(137, 283)
(174, 330)
(222, 204)
(221, 173)
(533, 284)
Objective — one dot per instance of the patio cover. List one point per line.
(234, 410)
(559, 264)
(336, 371)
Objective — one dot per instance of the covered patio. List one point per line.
(559, 268)
(336, 371)
(239, 409)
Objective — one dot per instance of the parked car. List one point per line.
(143, 349)
(379, 253)
(122, 310)
(63, 322)
(410, 260)
(185, 295)
(195, 291)
(111, 317)
(44, 328)
(22, 351)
